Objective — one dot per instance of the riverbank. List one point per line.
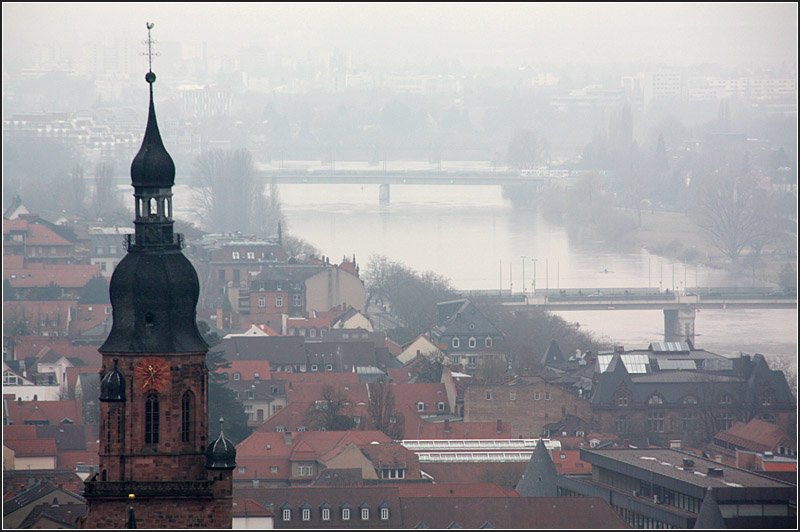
(675, 235)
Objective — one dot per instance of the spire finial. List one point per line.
(221, 422)
(150, 77)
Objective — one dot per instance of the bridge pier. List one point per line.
(679, 324)
(383, 194)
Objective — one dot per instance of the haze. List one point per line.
(474, 34)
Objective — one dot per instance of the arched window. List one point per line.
(186, 416)
(456, 343)
(151, 419)
(472, 342)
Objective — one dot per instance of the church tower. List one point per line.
(154, 381)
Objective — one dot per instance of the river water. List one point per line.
(475, 237)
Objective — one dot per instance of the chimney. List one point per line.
(619, 348)
(499, 426)
(446, 425)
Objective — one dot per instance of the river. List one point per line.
(472, 235)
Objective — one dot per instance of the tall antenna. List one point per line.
(150, 42)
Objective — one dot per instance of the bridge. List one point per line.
(432, 176)
(679, 307)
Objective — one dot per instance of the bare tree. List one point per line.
(726, 209)
(382, 411)
(411, 295)
(231, 197)
(330, 411)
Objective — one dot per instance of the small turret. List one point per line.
(112, 386)
(221, 454)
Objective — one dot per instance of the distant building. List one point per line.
(665, 488)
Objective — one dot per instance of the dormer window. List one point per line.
(237, 376)
(420, 407)
(456, 343)
(364, 514)
(725, 399)
(251, 255)
(306, 514)
(472, 342)
(384, 514)
(287, 514)
(326, 514)
(345, 514)
(488, 341)
(655, 400)
(235, 255)
(440, 406)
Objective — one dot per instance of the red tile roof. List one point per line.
(19, 432)
(247, 369)
(393, 347)
(51, 411)
(70, 459)
(13, 262)
(756, 435)
(63, 275)
(781, 466)
(569, 463)
(249, 508)
(459, 430)
(430, 394)
(29, 346)
(261, 450)
(34, 447)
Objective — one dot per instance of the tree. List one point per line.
(330, 411)
(726, 211)
(106, 203)
(95, 291)
(382, 411)
(526, 149)
(231, 197)
(222, 401)
(411, 295)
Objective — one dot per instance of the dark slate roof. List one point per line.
(67, 437)
(38, 489)
(554, 513)
(66, 514)
(288, 272)
(710, 516)
(461, 317)
(278, 350)
(539, 479)
(154, 297)
(553, 354)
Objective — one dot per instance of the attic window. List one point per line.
(420, 407)
(473, 342)
(237, 376)
(488, 342)
(440, 406)
(456, 343)
(149, 319)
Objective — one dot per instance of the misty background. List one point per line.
(649, 108)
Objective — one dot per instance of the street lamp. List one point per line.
(523, 274)
(534, 275)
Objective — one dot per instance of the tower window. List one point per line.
(151, 419)
(186, 417)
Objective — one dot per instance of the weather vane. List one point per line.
(150, 42)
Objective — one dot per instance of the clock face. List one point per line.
(152, 374)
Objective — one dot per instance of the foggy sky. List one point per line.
(476, 34)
